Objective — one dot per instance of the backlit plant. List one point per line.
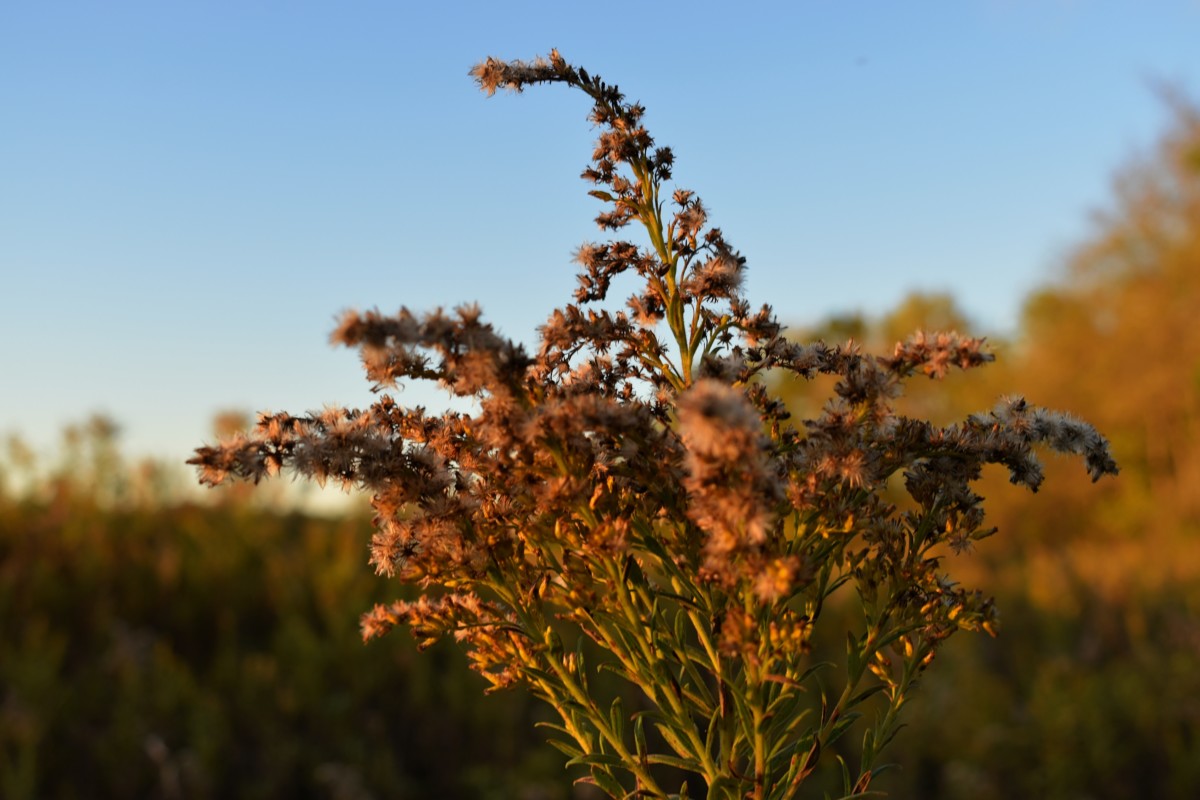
(636, 484)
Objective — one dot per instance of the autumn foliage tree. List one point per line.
(1090, 688)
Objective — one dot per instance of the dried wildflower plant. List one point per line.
(634, 483)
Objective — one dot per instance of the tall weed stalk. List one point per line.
(635, 483)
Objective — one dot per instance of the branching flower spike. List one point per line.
(633, 497)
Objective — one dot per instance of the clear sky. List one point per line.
(189, 192)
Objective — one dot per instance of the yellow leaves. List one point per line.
(787, 636)
(846, 527)
(881, 667)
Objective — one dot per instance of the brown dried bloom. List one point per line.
(636, 485)
(732, 492)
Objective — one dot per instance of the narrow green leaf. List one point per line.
(616, 719)
(569, 750)
(639, 736)
(605, 780)
(853, 656)
(540, 675)
(596, 760)
(887, 738)
(714, 726)
(867, 793)
(846, 786)
(688, 764)
(632, 572)
(581, 665)
(680, 627)
(869, 692)
(783, 732)
(842, 725)
(554, 726)
(868, 746)
(672, 736)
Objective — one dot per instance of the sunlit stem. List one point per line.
(650, 213)
(647, 677)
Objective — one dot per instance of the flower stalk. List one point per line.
(654, 504)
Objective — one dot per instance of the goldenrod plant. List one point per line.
(634, 483)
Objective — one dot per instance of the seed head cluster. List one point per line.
(636, 483)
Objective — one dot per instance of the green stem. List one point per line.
(650, 682)
(651, 216)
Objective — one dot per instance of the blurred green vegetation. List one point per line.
(153, 646)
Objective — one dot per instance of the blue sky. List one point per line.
(189, 192)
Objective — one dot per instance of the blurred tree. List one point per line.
(1090, 689)
(1119, 340)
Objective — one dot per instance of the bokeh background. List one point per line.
(189, 194)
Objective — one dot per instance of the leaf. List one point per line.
(554, 726)
(868, 746)
(845, 775)
(743, 711)
(616, 718)
(569, 750)
(713, 727)
(632, 573)
(895, 634)
(783, 730)
(688, 764)
(596, 760)
(580, 665)
(870, 691)
(890, 735)
(639, 736)
(541, 675)
(867, 793)
(854, 662)
(606, 782)
(842, 725)
(672, 737)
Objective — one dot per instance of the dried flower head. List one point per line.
(635, 484)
